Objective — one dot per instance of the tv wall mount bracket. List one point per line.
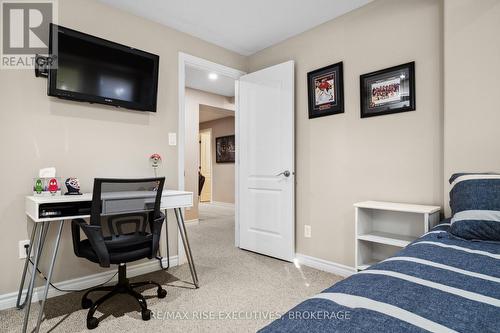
(42, 65)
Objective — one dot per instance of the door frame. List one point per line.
(209, 130)
(203, 64)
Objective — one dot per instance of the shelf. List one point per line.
(398, 207)
(387, 238)
(384, 228)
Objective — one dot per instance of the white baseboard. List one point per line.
(9, 300)
(192, 222)
(222, 204)
(324, 265)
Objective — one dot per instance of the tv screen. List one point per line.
(91, 69)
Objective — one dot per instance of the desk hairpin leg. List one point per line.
(166, 237)
(49, 276)
(185, 242)
(42, 228)
(40, 240)
(25, 270)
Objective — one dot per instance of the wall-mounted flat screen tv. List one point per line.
(91, 69)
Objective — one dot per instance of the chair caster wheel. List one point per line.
(92, 323)
(86, 303)
(146, 314)
(162, 293)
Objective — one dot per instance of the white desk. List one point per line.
(170, 200)
(175, 200)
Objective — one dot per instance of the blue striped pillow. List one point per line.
(475, 205)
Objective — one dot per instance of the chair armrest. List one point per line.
(94, 235)
(156, 225)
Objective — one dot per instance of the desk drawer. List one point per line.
(122, 206)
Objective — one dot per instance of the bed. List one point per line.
(438, 283)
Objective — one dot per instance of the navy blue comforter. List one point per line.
(438, 283)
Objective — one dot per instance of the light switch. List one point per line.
(307, 231)
(172, 139)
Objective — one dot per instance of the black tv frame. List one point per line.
(75, 96)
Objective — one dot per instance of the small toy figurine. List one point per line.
(53, 187)
(38, 186)
(73, 185)
(155, 160)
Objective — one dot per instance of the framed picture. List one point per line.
(326, 91)
(387, 91)
(224, 149)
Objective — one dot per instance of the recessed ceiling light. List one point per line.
(213, 76)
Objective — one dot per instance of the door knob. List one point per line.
(285, 173)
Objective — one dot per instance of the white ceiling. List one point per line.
(242, 26)
(209, 113)
(198, 79)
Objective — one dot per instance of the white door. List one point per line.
(266, 177)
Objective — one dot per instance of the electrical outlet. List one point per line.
(22, 249)
(307, 231)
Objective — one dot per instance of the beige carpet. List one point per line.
(240, 291)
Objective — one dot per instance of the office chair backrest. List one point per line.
(126, 202)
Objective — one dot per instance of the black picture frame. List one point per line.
(225, 149)
(324, 101)
(399, 80)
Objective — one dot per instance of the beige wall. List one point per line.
(194, 98)
(222, 173)
(472, 83)
(343, 159)
(86, 140)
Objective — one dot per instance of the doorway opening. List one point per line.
(264, 181)
(207, 112)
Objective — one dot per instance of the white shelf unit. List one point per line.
(384, 228)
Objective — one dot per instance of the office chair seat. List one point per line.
(119, 253)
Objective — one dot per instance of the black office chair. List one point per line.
(125, 226)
